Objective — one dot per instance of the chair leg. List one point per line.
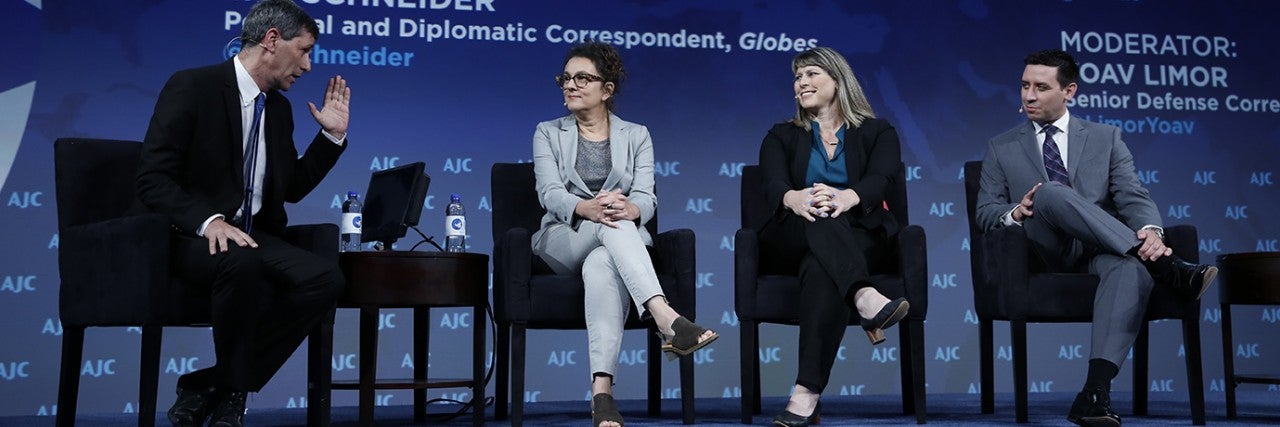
(517, 374)
(986, 365)
(1228, 362)
(1018, 329)
(687, 389)
(503, 359)
(748, 362)
(654, 369)
(149, 375)
(320, 371)
(69, 374)
(911, 337)
(1141, 357)
(1195, 371)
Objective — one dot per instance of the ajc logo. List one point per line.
(383, 163)
(944, 281)
(454, 321)
(884, 355)
(344, 362)
(947, 354)
(942, 209)
(1148, 177)
(698, 205)
(729, 318)
(26, 199)
(13, 370)
(1040, 387)
(633, 357)
(561, 358)
(704, 280)
(1071, 352)
(1205, 177)
(770, 354)
(731, 170)
(98, 367)
(704, 356)
(181, 365)
(1261, 179)
(1179, 211)
(852, 390)
(457, 165)
(727, 243)
(1267, 245)
(18, 284)
(666, 168)
(386, 321)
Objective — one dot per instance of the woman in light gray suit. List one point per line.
(595, 179)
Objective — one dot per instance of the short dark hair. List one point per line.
(607, 61)
(283, 15)
(1068, 71)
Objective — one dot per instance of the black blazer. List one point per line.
(192, 163)
(872, 158)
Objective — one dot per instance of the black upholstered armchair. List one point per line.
(766, 292)
(1009, 285)
(528, 295)
(114, 269)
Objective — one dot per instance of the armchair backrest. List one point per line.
(755, 210)
(515, 200)
(94, 179)
(972, 182)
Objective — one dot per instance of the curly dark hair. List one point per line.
(607, 61)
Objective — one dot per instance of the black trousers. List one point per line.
(832, 255)
(264, 302)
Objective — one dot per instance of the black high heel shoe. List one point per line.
(788, 419)
(889, 315)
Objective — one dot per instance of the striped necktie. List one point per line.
(1053, 158)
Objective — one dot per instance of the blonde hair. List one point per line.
(854, 107)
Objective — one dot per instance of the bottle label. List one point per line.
(350, 223)
(455, 225)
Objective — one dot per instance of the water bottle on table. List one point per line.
(350, 227)
(455, 226)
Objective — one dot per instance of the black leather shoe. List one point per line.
(889, 315)
(1191, 280)
(230, 411)
(192, 407)
(788, 419)
(1092, 408)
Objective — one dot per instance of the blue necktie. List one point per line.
(1053, 158)
(251, 162)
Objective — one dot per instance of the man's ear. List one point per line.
(270, 39)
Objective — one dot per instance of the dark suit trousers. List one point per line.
(832, 255)
(1073, 235)
(264, 302)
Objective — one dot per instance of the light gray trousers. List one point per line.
(1067, 230)
(616, 272)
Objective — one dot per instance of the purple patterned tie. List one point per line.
(1053, 158)
(251, 162)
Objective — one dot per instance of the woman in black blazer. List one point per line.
(826, 171)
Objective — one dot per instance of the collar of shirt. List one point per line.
(1060, 137)
(248, 89)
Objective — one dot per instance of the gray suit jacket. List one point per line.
(560, 188)
(1100, 167)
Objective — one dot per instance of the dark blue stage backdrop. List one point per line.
(460, 84)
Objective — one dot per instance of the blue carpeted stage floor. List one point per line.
(1256, 407)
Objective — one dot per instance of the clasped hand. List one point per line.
(608, 207)
(820, 200)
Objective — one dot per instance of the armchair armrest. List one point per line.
(914, 261)
(678, 258)
(111, 266)
(512, 270)
(1185, 242)
(746, 268)
(320, 239)
(1007, 262)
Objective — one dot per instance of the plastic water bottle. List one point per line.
(350, 227)
(455, 226)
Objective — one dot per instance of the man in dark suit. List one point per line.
(1071, 183)
(219, 159)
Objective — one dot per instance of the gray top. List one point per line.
(593, 162)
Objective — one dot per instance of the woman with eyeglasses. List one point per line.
(594, 176)
(826, 172)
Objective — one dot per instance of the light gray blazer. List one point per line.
(560, 188)
(1101, 170)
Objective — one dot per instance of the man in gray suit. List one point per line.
(1071, 183)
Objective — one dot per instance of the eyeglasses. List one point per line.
(580, 80)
